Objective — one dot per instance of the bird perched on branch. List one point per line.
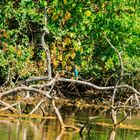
(75, 73)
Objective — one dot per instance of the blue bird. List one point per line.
(76, 73)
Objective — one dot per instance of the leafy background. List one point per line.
(76, 39)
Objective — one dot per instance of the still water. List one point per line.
(49, 129)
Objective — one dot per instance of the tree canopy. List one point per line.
(77, 30)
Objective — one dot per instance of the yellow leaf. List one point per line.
(72, 35)
(63, 44)
(54, 17)
(88, 13)
(63, 63)
(67, 15)
(65, 2)
(76, 46)
(67, 41)
(67, 56)
(19, 53)
(28, 59)
(43, 54)
(68, 68)
(49, 11)
(73, 55)
(60, 57)
(55, 63)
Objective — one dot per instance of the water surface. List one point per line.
(49, 129)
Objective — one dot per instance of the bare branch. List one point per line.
(119, 56)
(59, 79)
(9, 106)
(24, 88)
(47, 51)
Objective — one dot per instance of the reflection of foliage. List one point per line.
(76, 36)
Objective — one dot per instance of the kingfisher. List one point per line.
(75, 73)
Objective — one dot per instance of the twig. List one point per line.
(128, 99)
(12, 105)
(9, 106)
(119, 56)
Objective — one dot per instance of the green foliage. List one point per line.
(76, 36)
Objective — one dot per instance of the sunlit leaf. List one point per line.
(67, 56)
(68, 68)
(60, 57)
(84, 63)
(73, 55)
(19, 53)
(43, 54)
(81, 50)
(65, 2)
(88, 13)
(55, 63)
(76, 46)
(54, 17)
(64, 63)
(67, 41)
(67, 15)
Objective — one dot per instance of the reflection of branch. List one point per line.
(63, 126)
(112, 135)
(58, 115)
(126, 116)
(36, 107)
(24, 134)
(60, 135)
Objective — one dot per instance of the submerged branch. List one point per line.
(37, 106)
(58, 115)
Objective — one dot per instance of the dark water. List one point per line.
(49, 129)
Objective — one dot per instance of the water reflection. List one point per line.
(49, 129)
(112, 135)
